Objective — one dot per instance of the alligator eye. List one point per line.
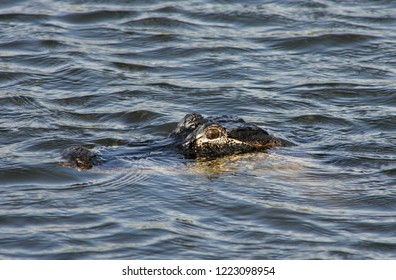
(212, 133)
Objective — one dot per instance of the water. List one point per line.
(101, 73)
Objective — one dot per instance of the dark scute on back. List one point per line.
(249, 133)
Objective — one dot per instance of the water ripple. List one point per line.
(117, 77)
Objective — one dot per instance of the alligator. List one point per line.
(195, 137)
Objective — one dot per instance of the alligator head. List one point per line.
(209, 138)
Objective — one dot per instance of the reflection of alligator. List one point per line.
(197, 137)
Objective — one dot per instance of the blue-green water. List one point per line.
(100, 73)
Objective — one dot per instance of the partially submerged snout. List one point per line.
(79, 157)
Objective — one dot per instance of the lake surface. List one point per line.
(321, 74)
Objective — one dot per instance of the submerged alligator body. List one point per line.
(197, 137)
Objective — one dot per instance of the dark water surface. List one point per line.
(99, 73)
